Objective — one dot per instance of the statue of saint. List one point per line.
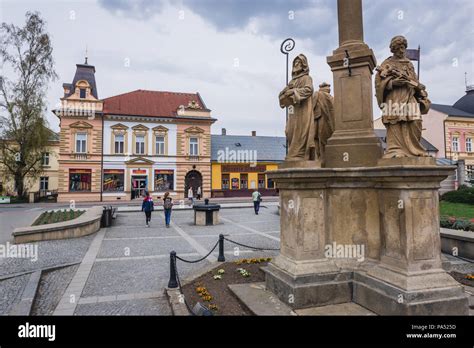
(403, 99)
(323, 113)
(297, 97)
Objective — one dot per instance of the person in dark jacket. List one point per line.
(147, 207)
(167, 205)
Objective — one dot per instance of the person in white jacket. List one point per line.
(191, 196)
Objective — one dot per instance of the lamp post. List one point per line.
(285, 48)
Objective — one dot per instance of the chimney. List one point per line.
(224, 131)
(254, 133)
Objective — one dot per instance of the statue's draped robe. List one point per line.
(403, 128)
(323, 113)
(300, 117)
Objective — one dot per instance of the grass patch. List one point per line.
(51, 217)
(458, 210)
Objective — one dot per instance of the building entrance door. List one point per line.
(139, 186)
(192, 180)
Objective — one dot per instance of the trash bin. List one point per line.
(106, 217)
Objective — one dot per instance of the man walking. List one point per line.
(257, 198)
(147, 207)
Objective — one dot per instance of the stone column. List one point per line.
(353, 143)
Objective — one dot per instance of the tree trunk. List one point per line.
(19, 185)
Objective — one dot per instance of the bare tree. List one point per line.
(24, 134)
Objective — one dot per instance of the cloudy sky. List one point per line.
(229, 50)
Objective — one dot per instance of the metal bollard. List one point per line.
(173, 283)
(221, 257)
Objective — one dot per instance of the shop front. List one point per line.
(241, 179)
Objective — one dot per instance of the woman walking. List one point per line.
(167, 205)
(147, 207)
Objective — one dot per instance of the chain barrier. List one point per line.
(202, 258)
(175, 282)
(248, 246)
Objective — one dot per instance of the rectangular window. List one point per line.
(140, 144)
(194, 146)
(455, 144)
(244, 181)
(44, 181)
(80, 180)
(114, 180)
(160, 145)
(270, 183)
(164, 180)
(82, 93)
(235, 183)
(261, 181)
(119, 143)
(45, 159)
(225, 181)
(468, 144)
(81, 142)
(469, 173)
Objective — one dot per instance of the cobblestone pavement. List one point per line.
(131, 267)
(10, 292)
(51, 288)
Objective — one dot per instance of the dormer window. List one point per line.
(82, 93)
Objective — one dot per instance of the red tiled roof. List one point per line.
(150, 103)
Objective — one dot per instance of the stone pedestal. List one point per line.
(353, 143)
(391, 213)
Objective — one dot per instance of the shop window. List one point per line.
(261, 181)
(114, 180)
(164, 180)
(235, 183)
(270, 184)
(80, 180)
(225, 181)
(244, 181)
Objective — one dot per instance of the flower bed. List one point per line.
(51, 217)
(211, 289)
(457, 223)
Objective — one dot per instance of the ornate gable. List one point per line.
(119, 126)
(80, 124)
(139, 160)
(194, 130)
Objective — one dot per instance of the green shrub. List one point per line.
(462, 195)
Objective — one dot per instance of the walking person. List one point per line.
(199, 193)
(147, 207)
(257, 198)
(191, 196)
(167, 205)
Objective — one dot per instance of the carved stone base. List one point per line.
(391, 213)
(318, 288)
(386, 299)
